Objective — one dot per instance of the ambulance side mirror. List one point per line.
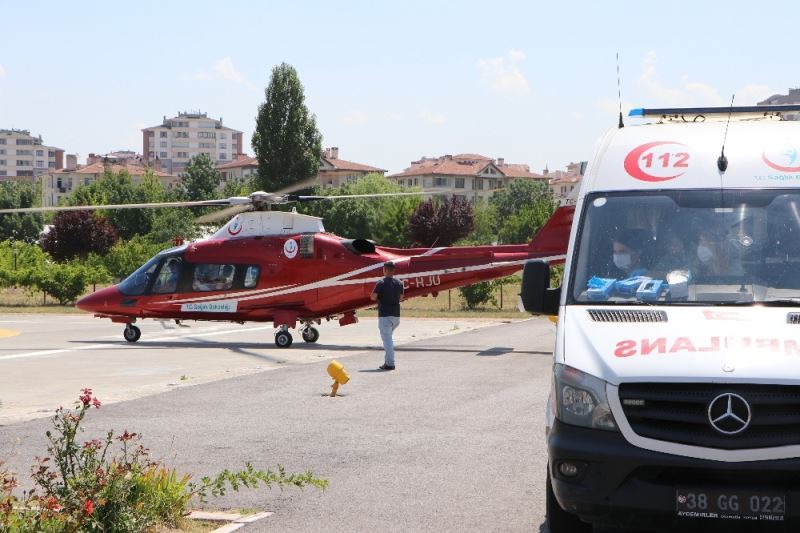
(536, 295)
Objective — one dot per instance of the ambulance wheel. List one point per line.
(283, 339)
(131, 333)
(310, 334)
(559, 520)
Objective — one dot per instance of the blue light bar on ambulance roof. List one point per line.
(736, 110)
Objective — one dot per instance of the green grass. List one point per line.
(447, 304)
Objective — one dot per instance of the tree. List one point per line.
(77, 234)
(384, 220)
(442, 224)
(200, 178)
(20, 226)
(286, 141)
(521, 210)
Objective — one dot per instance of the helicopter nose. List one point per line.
(99, 300)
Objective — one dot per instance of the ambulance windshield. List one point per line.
(693, 247)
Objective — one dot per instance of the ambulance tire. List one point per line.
(559, 520)
(283, 339)
(310, 334)
(131, 333)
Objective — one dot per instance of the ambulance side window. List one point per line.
(251, 275)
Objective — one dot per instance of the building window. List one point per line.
(163, 144)
(3, 173)
(182, 134)
(206, 135)
(40, 164)
(416, 182)
(459, 183)
(2, 151)
(182, 155)
(39, 153)
(440, 182)
(2, 141)
(51, 154)
(21, 163)
(223, 146)
(24, 152)
(162, 155)
(151, 155)
(223, 135)
(223, 156)
(477, 184)
(24, 141)
(206, 145)
(3, 162)
(162, 134)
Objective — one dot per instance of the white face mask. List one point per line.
(704, 253)
(622, 261)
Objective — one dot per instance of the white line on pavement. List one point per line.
(144, 345)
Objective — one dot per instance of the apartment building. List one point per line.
(178, 139)
(562, 183)
(24, 156)
(333, 172)
(469, 176)
(793, 97)
(57, 185)
(243, 167)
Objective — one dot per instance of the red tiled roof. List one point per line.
(464, 165)
(341, 164)
(99, 168)
(565, 179)
(239, 163)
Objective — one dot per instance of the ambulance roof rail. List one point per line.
(690, 114)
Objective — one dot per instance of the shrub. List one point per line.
(112, 484)
(478, 294)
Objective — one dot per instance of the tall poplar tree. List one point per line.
(286, 141)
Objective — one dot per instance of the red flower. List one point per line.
(96, 403)
(52, 504)
(88, 507)
(86, 397)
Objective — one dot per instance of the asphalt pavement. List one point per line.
(453, 440)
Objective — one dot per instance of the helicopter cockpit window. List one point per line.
(251, 277)
(208, 277)
(167, 280)
(136, 283)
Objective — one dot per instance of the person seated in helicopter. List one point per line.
(226, 280)
(167, 280)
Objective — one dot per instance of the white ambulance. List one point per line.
(675, 398)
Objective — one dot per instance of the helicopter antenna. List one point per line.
(619, 95)
(722, 162)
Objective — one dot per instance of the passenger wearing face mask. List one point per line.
(714, 256)
(627, 247)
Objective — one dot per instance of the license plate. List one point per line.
(731, 505)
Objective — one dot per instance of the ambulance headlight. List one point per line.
(581, 399)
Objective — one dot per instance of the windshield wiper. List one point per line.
(782, 302)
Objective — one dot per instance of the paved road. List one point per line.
(451, 441)
(45, 359)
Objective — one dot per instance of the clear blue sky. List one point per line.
(388, 81)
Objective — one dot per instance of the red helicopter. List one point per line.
(283, 267)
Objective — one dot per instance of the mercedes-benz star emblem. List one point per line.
(729, 413)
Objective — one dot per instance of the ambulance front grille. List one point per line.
(627, 315)
(678, 412)
(793, 318)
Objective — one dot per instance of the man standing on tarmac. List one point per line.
(388, 292)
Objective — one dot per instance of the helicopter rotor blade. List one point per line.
(228, 212)
(352, 196)
(197, 203)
